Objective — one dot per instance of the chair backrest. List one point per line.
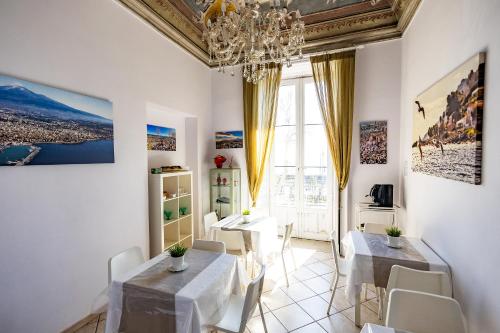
(333, 236)
(233, 239)
(124, 262)
(419, 312)
(287, 236)
(375, 228)
(205, 245)
(252, 297)
(209, 220)
(437, 283)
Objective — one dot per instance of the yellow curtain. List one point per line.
(260, 102)
(334, 81)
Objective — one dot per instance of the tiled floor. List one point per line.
(301, 307)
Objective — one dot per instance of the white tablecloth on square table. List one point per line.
(264, 233)
(372, 328)
(201, 301)
(359, 261)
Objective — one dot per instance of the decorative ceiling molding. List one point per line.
(341, 27)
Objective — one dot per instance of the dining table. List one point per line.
(151, 298)
(369, 260)
(260, 233)
(372, 328)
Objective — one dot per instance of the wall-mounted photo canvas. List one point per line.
(447, 125)
(42, 125)
(161, 138)
(373, 142)
(229, 139)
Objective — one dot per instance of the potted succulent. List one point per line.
(393, 236)
(246, 215)
(167, 214)
(177, 253)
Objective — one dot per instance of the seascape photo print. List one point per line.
(447, 125)
(43, 125)
(161, 138)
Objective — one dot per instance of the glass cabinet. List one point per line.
(225, 191)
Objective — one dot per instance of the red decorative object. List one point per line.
(219, 161)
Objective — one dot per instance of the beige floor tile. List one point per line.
(101, 327)
(323, 255)
(256, 312)
(316, 307)
(320, 268)
(276, 299)
(340, 301)
(372, 305)
(292, 317)
(329, 277)
(311, 328)
(298, 291)
(89, 328)
(273, 324)
(367, 315)
(318, 285)
(303, 273)
(338, 323)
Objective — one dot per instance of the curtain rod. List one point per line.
(296, 59)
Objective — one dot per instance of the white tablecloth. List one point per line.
(264, 231)
(201, 301)
(372, 328)
(360, 263)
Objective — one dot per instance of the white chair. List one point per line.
(420, 312)
(339, 270)
(241, 307)
(287, 245)
(375, 228)
(233, 239)
(437, 283)
(206, 245)
(124, 262)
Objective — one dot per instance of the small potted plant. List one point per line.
(393, 234)
(246, 215)
(177, 253)
(183, 210)
(167, 214)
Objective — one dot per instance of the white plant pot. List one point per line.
(393, 241)
(246, 218)
(177, 263)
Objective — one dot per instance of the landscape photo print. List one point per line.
(447, 124)
(229, 140)
(161, 138)
(373, 142)
(43, 125)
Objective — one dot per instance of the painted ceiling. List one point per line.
(329, 24)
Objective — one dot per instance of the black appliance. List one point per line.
(382, 195)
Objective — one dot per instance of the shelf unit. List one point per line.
(225, 191)
(178, 229)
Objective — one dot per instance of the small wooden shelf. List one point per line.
(167, 222)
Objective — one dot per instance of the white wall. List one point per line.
(459, 220)
(376, 97)
(59, 224)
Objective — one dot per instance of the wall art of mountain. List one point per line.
(42, 125)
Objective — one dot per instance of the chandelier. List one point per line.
(241, 33)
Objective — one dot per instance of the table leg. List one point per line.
(357, 310)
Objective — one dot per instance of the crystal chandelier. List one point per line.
(241, 33)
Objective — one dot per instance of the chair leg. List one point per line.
(380, 294)
(366, 291)
(262, 317)
(333, 293)
(284, 268)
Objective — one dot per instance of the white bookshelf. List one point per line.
(163, 232)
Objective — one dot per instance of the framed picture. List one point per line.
(43, 125)
(229, 139)
(373, 142)
(161, 138)
(447, 124)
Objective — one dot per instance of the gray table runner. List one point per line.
(384, 257)
(149, 298)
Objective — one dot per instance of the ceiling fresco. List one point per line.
(329, 24)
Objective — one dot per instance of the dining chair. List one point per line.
(431, 282)
(421, 312)
(205, 245)
(240, 307)
(124, 262)
(375, 228)
(287, 245)
(234, 242)
(209, 220)
(339, 269)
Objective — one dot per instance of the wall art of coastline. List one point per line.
(161, 138)
(43, 125)
(229, 139)
(447, 124)
(373, 142)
